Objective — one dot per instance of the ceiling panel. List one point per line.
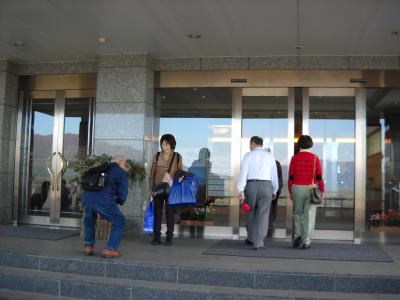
(60, 30)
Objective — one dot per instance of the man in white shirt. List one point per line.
(258, 184)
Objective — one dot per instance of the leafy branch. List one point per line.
(137, 172)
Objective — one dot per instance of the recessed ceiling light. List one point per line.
(102, 39)
(396, 33)
(194, 35)
(18, 43)
(195, 89)
(163, 97)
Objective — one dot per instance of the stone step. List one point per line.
(73, 286)
(6, 294)
(203, 276)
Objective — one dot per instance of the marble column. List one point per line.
(8, 114)
(124, 120)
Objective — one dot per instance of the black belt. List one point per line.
(254, 180)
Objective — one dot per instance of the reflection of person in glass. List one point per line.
(163, 161)
(66, 197)
(201, 168)
(38, 199)
(301, 178)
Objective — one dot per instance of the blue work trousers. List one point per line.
(112, 214)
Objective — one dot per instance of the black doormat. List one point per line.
(318, 251)
(36, 233)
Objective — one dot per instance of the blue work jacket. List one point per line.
(116, 190)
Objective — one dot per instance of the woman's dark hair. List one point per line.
(305, 142)
(170, 139)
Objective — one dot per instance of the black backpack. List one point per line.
(95, 179)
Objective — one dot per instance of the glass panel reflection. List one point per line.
(267, 117)
(201, 121)
(332, 128)
(40, 147)
(383, 160)
(75, 145)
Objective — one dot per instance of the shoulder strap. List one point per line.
(170, 164)
(178, 157)
(157, 156)
(314, 170)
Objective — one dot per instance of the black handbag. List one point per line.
(161, 190)
(315, 195)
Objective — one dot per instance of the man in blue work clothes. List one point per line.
(104, 202)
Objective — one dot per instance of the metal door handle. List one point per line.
(65, 162)
(64, 166)
(49, 161)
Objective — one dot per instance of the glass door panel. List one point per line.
(332, 127)
(201, 121)
(383, 161)
(40, 139)
(265, 114)
(76, 145)
(55, 130)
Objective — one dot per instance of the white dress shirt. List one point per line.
(260, 165)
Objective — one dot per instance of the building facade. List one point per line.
(55, 113)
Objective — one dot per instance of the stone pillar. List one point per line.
(124, 120)
(8, 114)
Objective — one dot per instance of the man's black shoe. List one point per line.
(297, 242)
(248, 242)
(306, 246)
(168, 241)
(156, 241)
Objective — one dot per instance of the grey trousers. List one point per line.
(259, 196)
(303, 213)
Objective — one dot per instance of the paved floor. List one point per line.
(188, 252)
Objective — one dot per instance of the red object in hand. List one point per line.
(245, 207)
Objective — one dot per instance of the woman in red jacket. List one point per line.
(304, 170)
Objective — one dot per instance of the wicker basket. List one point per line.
(103, 229)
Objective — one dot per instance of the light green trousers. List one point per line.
(303, 213)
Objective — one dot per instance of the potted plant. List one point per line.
(197, 216)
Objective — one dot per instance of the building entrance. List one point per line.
(213, 127)
(55, 130)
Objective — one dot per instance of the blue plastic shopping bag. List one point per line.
(149, 219)
(184, 192)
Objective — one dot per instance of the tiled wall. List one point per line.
(124, 108)
(8, 113)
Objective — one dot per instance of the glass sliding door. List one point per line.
(383, 161)
(331, 124)
(265, 114)
(201, 121)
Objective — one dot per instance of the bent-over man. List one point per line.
(105, 202)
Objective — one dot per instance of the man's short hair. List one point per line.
(118, 157)
(256, 140)
(305, 142)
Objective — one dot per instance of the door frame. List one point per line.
(59, 88)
